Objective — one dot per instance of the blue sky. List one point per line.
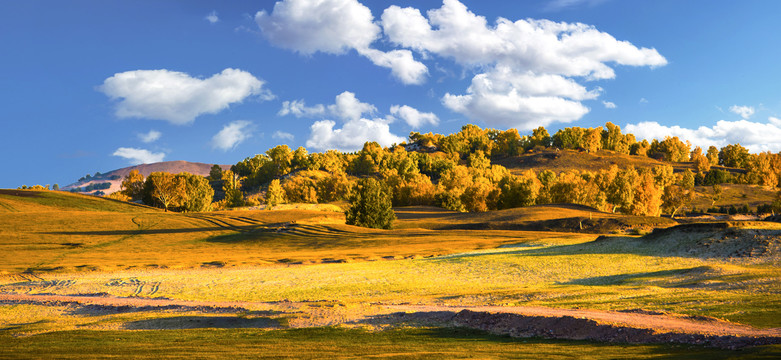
(98, 85)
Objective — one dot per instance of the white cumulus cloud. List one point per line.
(351, 136)
(522, 101)
(413, 117)
(744, 111)
(531, 66)
(609, 104)
(232, 135)
(149, 137)
(212, 17)
(177, 97)
(334, 27)
(309, 26)
(755, 136)
(346, 107)
(281, 135)
(299, 109)
(139, 156)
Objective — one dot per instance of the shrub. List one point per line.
(370, 205)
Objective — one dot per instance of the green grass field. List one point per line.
(57, 243)
(336, 343)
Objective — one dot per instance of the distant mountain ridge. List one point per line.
(115, 177)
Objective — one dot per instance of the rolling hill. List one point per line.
(115, 177)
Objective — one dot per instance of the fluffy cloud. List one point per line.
(299, 109)
(330, 26)
(531, 63)
(403, 66)
(334, 27)
(609, 104)
(149, 137)
(744, 111)
(753, 135)
(281, 135)
(413, 117)
(139, 156)
(351, 136)
(212, 17)
(541, 46)
(177, 97)
(232, 135)
(524, 101)
(346, 107)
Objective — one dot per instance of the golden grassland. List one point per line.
(58, 243)
(337, 343)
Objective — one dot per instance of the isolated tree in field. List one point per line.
(275, 194)
(717, 192)
(133, 185)
(370, 205)
(164, 189)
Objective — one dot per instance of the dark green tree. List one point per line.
(215, 173)
(370, 205)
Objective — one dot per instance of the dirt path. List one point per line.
(636, 326)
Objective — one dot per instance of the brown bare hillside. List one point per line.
(173, 167)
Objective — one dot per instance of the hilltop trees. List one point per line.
(734, 156)
(458, 171)
(370, 205)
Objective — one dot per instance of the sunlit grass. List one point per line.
(337, 343)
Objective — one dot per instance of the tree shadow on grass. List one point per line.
(150, 231)
(682, 276)
(206, 322)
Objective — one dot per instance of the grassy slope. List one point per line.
(337, 343)
(556, 217)
(544, 268)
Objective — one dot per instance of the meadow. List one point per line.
(255, 282)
